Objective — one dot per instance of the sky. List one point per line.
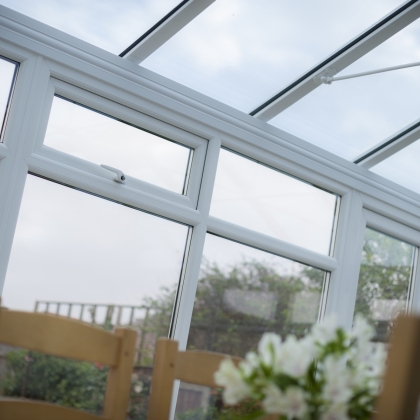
(240, 52)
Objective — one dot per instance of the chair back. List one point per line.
(401, 389)
(64, 337)
(195, 367)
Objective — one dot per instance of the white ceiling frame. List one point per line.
(389, 146)
(349, 56)
(166, 30)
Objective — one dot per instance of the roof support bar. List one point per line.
(165, 29)
(389, 146)
(329, 79)
(347, 55)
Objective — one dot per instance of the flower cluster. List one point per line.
(327, 375)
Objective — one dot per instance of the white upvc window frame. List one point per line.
(52, 62)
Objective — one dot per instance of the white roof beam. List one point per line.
(389, 146)
(165, 29)
(351, 52)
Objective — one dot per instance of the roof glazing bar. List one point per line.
(367, 41)
(390, 146)
(165, 29)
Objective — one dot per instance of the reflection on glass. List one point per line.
(243, 292)
(7, 74)
(402, 167)
(83, 257)
(350, 116)
(93, 136)
(260, 198)
(242, 52)
(384, 280)
(108, 24)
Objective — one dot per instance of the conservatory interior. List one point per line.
(205, 171)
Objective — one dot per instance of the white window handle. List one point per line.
(119, 175)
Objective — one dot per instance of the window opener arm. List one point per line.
(119, 175)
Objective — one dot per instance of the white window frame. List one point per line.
(51, 61)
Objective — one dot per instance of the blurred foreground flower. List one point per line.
(328, 375)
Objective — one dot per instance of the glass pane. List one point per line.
(87, 258)
(243, 292)
(403, 167)
(7, 75)
(384, 280)
(101, 139)
(110, 25)
(350, 116)
(257, 197)
(244, 52)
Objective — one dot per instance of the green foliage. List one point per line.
(66, 382)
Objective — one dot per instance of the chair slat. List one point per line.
(58, 336)
(21, 409)
(198, 367)
(401, 390)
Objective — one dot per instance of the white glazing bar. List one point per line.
(167, 30)
(23, 122)
(341, 62)
(4, 151)
(392, 228)
(390, 146)
(415, 305)
(103, 185)
(189, 286)
(348, 252)
(276, 246)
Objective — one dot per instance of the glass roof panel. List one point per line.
(242, 52)
(403, 167)
(7, 74)
(350, 116)
(108, 24)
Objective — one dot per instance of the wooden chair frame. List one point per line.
(399, 398)
(64, 337)
(196, 367)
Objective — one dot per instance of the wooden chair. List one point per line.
(195, 367)
(401, 390)
(63, 337)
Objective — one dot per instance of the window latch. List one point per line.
(119, 175)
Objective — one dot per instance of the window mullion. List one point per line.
(22, 126)
(348, 252)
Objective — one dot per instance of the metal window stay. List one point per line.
(327, 77)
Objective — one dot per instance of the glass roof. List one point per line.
(350, 116)
(403, 167)
(242, 52)
(108, 24)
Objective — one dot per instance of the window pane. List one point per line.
(81, 256)
(7, 75)
(384, 280)
(93, 136)
(350, 116)
(244, 52)
(108, 24)
(243, 292)
(403, 167)
(260, 198)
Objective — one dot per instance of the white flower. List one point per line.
(337, 388)
(294, 357)
(290, 403)
(273, 402)
(268, 348)
(335, 412)
(229, 377)
(250, 364)
(325, 332)
(362, 331)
